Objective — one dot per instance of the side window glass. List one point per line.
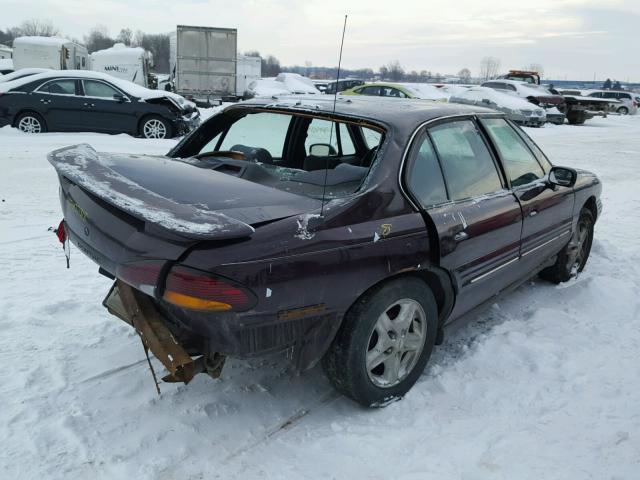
(512, 88)
(371, 137)
(348, 148)
(371, 91)
(468, 167)
(258, 130)
(424, 177)
(542, 158)
(98, 89)
(521, 165)
(60, 87)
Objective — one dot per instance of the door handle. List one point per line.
(46, 102)
(533, 213)
(89, 105)
(460, 236)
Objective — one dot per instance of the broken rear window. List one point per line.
(295, 153)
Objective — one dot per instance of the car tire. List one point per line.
(623, 111)
(576, 118)
(573, 257)
(155, 127)
(30, 122)
(384, 342)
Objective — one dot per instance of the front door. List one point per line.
(477, 221)
(105, 112)
(547, 210)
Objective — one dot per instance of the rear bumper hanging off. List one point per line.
(137, 309)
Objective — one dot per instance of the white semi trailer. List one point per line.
(128, 63)
(248, 69)
(203, 62)
(49, 52)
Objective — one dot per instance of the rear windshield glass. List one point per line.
(301, 154)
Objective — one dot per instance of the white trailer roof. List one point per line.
(53, 41)
(121, 52)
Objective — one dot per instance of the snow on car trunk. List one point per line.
(544, 384)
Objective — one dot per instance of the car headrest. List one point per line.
(255, 154)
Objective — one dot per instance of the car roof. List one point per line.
(403, 114)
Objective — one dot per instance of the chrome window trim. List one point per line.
(105, 83)
(47, 82)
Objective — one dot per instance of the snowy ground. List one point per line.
(545, 385)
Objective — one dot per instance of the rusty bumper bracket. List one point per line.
(137, 309)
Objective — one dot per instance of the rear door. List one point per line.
(60, 104)
(547, 210)
(105, 113)
(477, 221)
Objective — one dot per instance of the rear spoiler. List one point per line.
(84, 167)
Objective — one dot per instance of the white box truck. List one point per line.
(128, 63)
(203, 62)
(248, 69)
(49, 52)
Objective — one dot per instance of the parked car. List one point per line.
(91, 101)
(398, 90)
(516, 109)
(535, 94)
(354, 233)
(24, 72)
(628, 104)
(6, 66)
(334, 86)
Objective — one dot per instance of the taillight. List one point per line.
(196, 290)
(141, 275)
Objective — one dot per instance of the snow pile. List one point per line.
(297, 84)
(543, 385)
(38, 41)
(120, 52)
(267, 87)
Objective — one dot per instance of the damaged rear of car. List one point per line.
(206, 241)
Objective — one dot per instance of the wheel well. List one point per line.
(26, 110)
(437, 280)
(592, 206)
(153, 115)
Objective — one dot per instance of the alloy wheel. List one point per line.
(579, 247)
(30, 124)
(396, 342)
(154, 129)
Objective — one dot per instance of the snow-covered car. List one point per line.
(23, 72)
(263, 232)
(399, 90)
(283, 84)
(80, 100)
(533, 93)
(516, 109)
(6, 66)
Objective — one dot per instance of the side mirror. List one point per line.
(119, 98)
(563, 176)
(322, 150)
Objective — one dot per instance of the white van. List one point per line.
(49, 52)
(128, 63)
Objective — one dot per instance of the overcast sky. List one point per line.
(570, 38)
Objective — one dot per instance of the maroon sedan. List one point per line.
(354, 236)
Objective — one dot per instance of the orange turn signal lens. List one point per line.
(193, 303)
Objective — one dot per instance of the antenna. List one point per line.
(335, 99)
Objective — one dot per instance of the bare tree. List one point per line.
(37, 27)
(384, 72)
(489, 67)
(396, 72)
(465, 75)
(125, 36)
(98, 39)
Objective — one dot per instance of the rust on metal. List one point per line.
(138, 310)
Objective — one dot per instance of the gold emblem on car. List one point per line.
(385, 229)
